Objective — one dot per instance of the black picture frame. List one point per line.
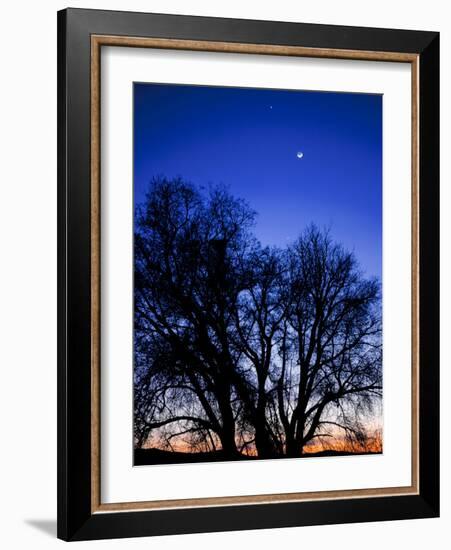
(76, 521)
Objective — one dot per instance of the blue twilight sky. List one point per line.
(249, 138)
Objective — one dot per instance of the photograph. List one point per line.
(257, 257)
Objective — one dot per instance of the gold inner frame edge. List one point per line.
(97, 41)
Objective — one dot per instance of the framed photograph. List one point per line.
(248, 274)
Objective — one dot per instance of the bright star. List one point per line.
(299, 154)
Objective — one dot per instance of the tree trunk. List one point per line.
(293, 448)
(263, 443)
(228, 442)
(227, 434)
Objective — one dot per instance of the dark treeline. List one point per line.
(243, 349)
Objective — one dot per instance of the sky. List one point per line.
(252, 139)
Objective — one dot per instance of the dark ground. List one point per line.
(145, 457)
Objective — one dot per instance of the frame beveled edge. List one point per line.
(75, 518)
(97, 41)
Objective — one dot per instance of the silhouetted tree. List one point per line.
(187, 279)
(239, 347)
(258, 317)
(331, 346)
